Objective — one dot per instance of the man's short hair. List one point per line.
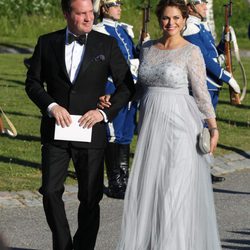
(66, 5)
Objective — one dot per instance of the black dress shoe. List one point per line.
(217, 178)
(114, 193)
(27, 62)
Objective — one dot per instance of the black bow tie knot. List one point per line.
(79, 39)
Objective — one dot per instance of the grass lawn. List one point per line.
(20, 157)
(234, 122)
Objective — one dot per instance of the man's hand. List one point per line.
(104, 102)
(232, 82)
(61, 115)
(89, 119)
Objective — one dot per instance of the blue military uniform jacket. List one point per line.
(198, 33)
(121, 129)
(124, 35)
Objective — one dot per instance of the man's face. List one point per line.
(81, 17)
(114, 12)
(201, 8)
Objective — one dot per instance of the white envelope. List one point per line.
(74, 132)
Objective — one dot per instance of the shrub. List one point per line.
(15, 9)
(35, 17)
(239, 20)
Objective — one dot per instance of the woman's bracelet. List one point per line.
(212, 129)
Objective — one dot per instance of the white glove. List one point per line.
(226, 37)
(146, 38)
(232, 82)
(7, 132)
(221, 59)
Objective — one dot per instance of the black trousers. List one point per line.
(88, 165)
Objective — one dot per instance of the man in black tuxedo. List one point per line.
(67, 75)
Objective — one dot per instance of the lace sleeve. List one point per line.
(197, 81)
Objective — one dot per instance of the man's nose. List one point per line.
(88, 17)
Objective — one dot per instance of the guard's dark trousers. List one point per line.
(117, 167)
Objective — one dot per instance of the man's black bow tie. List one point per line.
(80, 39)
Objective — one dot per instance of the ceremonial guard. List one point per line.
(121, 130)
(197, 32)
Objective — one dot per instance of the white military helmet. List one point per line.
(107, 3)
(96, 6)
(192, 4)
(195, 1)
(110, 3)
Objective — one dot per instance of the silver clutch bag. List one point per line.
(204, 141)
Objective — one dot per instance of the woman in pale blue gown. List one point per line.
(169, 201)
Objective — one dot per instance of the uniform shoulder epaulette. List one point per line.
(191, 29)
(206, 26)
(100, 28)
(129, 29)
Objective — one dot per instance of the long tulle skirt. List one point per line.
(169, 201)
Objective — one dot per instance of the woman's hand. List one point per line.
(214, 133)
(104, 102)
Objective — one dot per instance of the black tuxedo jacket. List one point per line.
(47, 81)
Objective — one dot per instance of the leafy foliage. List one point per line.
(240, 16)
(14, 14)
(14, 9)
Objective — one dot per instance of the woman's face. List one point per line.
(172, 22)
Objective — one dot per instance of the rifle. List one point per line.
(145, 20)
(234, 97)
(12, 132)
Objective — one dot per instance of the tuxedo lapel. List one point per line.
(59, 48)
(91, 51)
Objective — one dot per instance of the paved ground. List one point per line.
(232, 200)
(23, 225)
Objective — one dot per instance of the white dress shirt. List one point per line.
(73, 57)
(74, 53)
